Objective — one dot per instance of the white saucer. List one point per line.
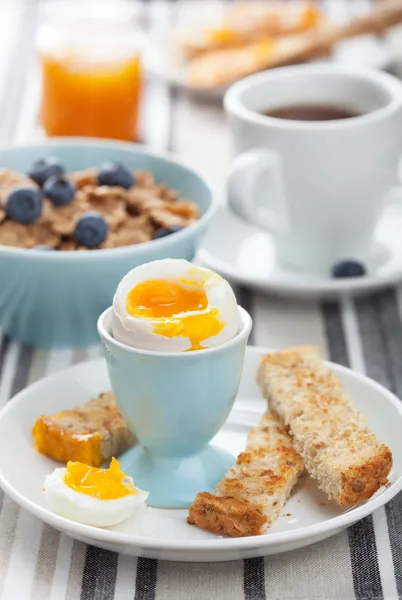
(246, 255)
(308, 516)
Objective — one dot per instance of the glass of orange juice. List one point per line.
(90, 57)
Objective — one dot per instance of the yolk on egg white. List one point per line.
(93, 496)
(104, 484)
(171, 305)
(167, 300)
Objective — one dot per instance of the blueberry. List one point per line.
(115, 174)
(24, 204)
(43, 247)
(59, 190)
(348, 268)
(43, 168)
(91, 230)
(164, 231)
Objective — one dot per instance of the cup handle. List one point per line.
(255, 190)
(396, 195)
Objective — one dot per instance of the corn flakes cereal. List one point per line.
(144, 179)
(63, 219)
(16, 235)
(83, 178)
(136, 230)
(133, 216)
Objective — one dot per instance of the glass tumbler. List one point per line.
(90, 57)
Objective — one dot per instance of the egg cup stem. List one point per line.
(174, 482)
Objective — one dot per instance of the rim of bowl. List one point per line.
(99, 254)
(245, 323)
(233, 102)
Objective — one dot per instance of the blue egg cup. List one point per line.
(175, 403)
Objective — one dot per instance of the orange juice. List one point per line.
(102, 102)
(91, 76)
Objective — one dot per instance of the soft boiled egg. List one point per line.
(93, 496)
(173, 306)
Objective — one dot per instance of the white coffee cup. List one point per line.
(319, 187)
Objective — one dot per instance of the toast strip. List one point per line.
(223, 66)
(329, 433)
(253, 492)
(249, 20)
(91, 434)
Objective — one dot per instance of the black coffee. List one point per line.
(311, 112)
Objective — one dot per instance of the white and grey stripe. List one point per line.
(147, 571)
(362, 542)
(198, 581)
(254, 579)
(253, 568)
(99, 576)
(380, 326)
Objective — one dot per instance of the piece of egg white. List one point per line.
(87, 509)
(138, 332)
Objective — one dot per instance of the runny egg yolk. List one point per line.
(169, 301)
(103, 484)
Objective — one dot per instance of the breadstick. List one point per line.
(248, 21)
(253, 492)
(330, 434)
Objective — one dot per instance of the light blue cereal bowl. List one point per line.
(55, 298)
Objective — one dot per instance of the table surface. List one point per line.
(39, 563)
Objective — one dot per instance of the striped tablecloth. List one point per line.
(36, 561)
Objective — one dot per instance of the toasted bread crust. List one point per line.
(91, 434)
(56, 442)
(329, 433)
(362, 481)
(223, 515)
(252, 493)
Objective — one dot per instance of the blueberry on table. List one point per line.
(348, 268)
(43, 168)
(164, 231)
(115, 174)
(24, 204)
(59, 190)
(91, 230)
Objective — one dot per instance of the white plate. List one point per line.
(246, 255)
(366, 51)
(164, 534)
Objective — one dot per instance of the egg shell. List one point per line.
(138, 332)
(86, 509)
